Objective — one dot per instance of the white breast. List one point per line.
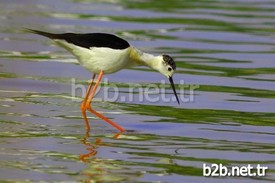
(96, 59)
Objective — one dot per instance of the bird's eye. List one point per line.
(169, 69)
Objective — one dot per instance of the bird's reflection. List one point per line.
(96, 166)
(92, 147)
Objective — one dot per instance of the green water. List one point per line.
(225, 49)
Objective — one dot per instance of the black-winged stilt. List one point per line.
(102, 53)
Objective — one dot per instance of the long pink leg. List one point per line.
(83, 104)
(89, 108)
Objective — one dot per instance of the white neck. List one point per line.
(141, 58)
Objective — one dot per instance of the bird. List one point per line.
(104, 53)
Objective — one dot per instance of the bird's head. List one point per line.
(162, 63)
(167, 67)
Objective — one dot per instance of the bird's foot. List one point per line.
(87, 106)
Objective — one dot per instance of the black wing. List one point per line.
(88, 40)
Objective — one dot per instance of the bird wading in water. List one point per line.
(102, 53)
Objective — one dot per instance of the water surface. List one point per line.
(226, 48)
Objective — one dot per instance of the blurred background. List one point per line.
(226, 47)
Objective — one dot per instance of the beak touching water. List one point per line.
(173, 87)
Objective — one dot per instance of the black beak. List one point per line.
(173, 87)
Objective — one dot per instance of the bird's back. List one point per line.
(95, 40)
(88, 40)
(94, 51)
